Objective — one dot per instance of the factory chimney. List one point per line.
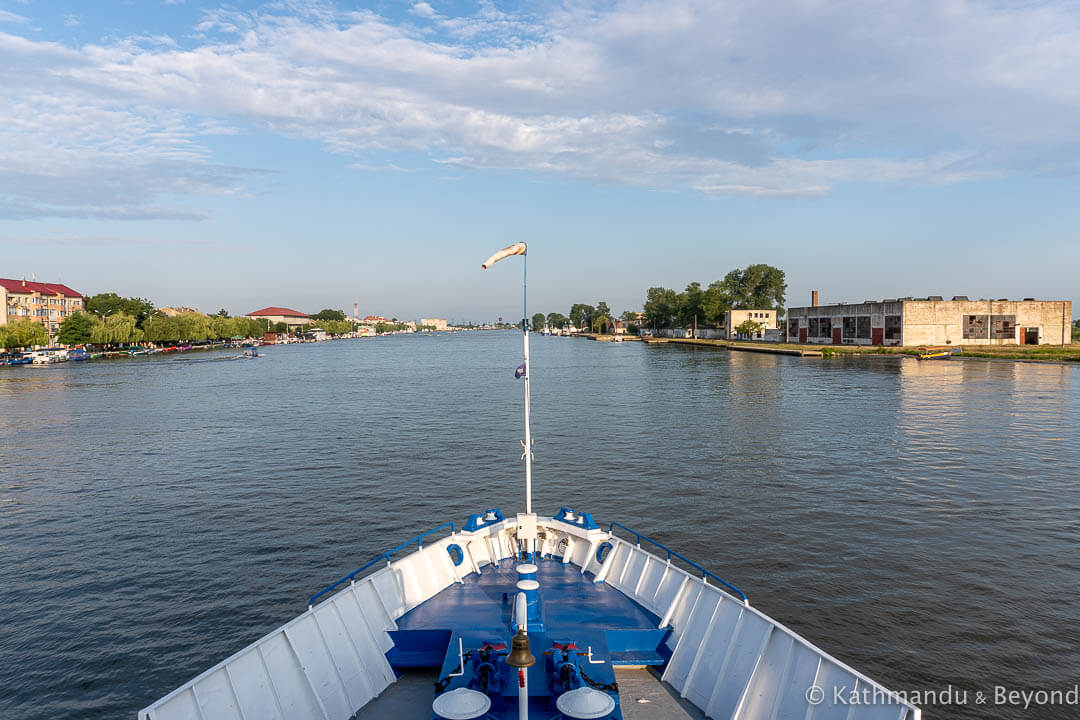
(813, 298)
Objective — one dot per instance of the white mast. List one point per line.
(528, 430)
(521, 249)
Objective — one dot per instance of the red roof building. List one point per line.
(277, 312)
(281, 314)
(46, 303)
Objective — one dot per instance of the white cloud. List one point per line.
(10, 17)
(741, 97)
(424, 10)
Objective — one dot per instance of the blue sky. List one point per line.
(315, 154)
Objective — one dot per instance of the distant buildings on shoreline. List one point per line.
(434, 323)
(930, 321)
(48, 304)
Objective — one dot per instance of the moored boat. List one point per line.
(48, 356)
(938, 353)
(78, 354)
(530, 615)
(15, 359)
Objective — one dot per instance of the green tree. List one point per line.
(581, 315)
(714, 303)
(381, 328)
(77, 328)
(279, 327)
(661, 307)
(193, 327)
(538, 321)
(328, 314)
(223, 313)
(105, 304)
(161, 328)
(603, 309)
(247, 327)
(23, 334)
(335, 327)
(690, 305)
(116, 329)
(756, 287)
(748, 328)
(557, 320)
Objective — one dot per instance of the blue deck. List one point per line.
(576, 610)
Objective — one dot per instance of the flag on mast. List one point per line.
(515, 249)
(520, 372)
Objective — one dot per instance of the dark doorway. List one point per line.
(1031, 336)
(802, 335)
(836, 336)
(877, 336)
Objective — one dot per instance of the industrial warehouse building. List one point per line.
(933, 321)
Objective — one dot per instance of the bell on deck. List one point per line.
(519, 656)
(585, 704)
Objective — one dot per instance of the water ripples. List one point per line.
(917, 520)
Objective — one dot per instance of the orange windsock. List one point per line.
(516, 249)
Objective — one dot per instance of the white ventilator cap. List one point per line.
(585, 704)
(461, 704)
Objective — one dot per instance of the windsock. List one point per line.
(516, 249)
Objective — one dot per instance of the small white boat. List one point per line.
(46, 357)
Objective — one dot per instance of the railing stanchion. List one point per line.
(705, 574)
(351, 577)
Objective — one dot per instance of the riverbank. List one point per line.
(1019, 353)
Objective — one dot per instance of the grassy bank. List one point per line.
(1046, 353)
(1043, 353)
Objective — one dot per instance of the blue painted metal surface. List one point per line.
(419, 540)
(576, 610)
(478, 521)
(457, 556)
(671, 553)
(581, 520)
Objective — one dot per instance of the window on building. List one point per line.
(976, 327)
(1003, 327)
(793, 327)
(864, 328)
(812, 327)
(850, 326)
(892, 327)
(826, 327)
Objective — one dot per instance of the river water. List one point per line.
(919, 521)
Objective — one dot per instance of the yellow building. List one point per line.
(436, 323)
(46, 303)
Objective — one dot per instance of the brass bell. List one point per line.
(519, 656)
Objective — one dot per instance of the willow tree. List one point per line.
(116, 329)
(23, 334)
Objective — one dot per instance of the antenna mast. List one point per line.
(527, 445)
(521, 249)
